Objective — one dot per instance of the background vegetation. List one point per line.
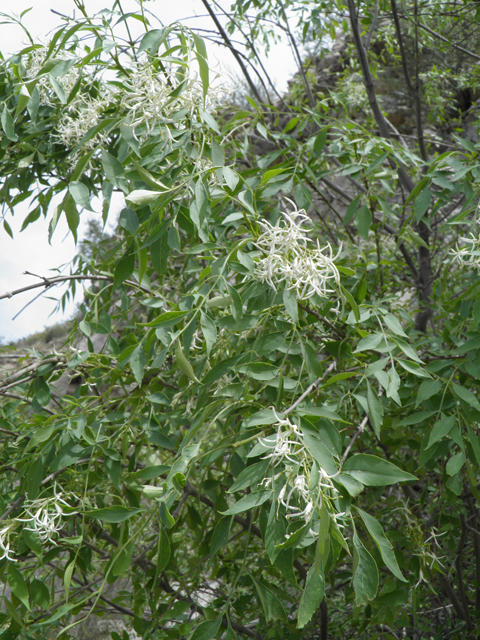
(265, 421)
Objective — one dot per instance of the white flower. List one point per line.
(151, 97)
(82, 115)
(45, 516)
(5, 534)
(36, 61)
(287, 443)
(289, 258)
(468, 255)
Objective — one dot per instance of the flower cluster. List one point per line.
(82, 115)
(42, 516)
(36, 61)
(151, 97)
(469, 254)
(288, 257)
(303, 481)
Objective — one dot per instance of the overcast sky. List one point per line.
(30, 251)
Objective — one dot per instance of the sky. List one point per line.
(30, 250)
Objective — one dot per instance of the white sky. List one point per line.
(30, 251)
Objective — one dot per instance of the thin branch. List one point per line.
(319, 316)
(237, 57)
(360, 430)
(373, 26)
(298, 58)
(17, 396)
(50, 282)
(309, 389)
(451, 44)
(412, 90)
(372, 98)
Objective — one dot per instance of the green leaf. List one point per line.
(455, 463)
(230, 177)
(268, 175)
(23, 99)
(113, 514)
(320, 141)
(123, 559)
(207, 629)
(67, 577)
(143, 196)
(153, 39)
(250, 476)
(413, 367)
(220, 535)
(127, 134)
(352, 207)
(40, 594)
(209, 330)
(183, 362)
(137, 363)
(466, 395)
(41, 391)
(271, 605)
(369, 342)
(375, 410)
(81, 194)
(8, 125)
(72, 215)
(422, 203)
(163, 550)
(112, 167)
(363, 220)
(320, 452)
(248, 502)
(408, 350)
(167, 319)
(259, 370)
(374, 472)
(475, 442)
(365, 577)
(124, 267)
(312, 596)
(441, 429)
(427, 389)
(375, 529)
(18, 585)
(201, 54)
(262, 417)
(290, 302)
(352, 303)
(394, 325)
(353, 486)
(129, 220)
(34, 477)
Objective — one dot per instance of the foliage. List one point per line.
(267, 415)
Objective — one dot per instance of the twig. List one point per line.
(309, 389)
(319, 316)
(360, 430)
(437, 35)
(59, 279)
(17, 396)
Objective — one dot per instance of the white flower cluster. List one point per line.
(36, 61)
(302, 477)
(147, 97)
(82, 115)
(289, 258)
(469, 254)
(43, 516)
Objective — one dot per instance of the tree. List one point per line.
(272, 426)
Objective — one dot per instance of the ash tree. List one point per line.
(270, 422)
